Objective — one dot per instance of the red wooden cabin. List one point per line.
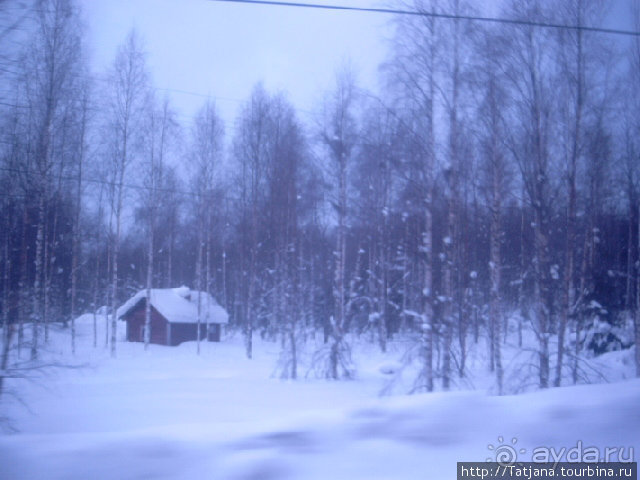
(174, 316)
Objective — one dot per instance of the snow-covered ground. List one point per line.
(167, 413)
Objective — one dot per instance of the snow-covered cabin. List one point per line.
(174, 316)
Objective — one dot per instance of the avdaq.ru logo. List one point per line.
(504, 453)
(507, 453)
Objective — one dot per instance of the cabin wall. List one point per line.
(165, 333)
(135, 325)
(186, 332)
(214, 332)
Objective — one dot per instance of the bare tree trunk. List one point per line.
(207, 274)
(339, 279)
(521, 301)
(294, 352)
(199, 276)
(569, 289)
(447, 289)
(22, 284)
(252, 282)
(116, 247)
(637, 316)
(74, 263)
(450, 240)
(295, 317)
(495, 310)
(404, 245)
(628, 302)
(96, 288)
(129, 99)
(50, 244)
(224, 277)
(384, 263)
(170, 254)
(147, 309)
(583, 288)
(249, 321)
(46, 273)
(4, 355)
(7, 328)
(108, 290)
(428, 322)
(114, 272)
(150, 231)
(540, 230)
(540, 299)
(97, 276)
(37, 282)
(76, 235)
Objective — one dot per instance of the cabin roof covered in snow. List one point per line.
(179, 305)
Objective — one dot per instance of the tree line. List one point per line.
(491, 187)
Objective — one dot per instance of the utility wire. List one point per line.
(10, 28)
(421, 13)
(99, 78)
(28, 172)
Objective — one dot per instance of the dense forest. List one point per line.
(492, 186)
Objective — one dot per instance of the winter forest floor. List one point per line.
(169, 414)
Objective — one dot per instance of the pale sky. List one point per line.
(223, 49)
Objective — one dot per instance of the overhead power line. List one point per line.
(99, 181)
(421, 13)
(14, 26)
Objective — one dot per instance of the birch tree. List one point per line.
(572, 64)
(417, 49)
(126, 106)
(375, 207)
(160, 126)
(530, 63)
(250, 152)
(339, 135)
(76, 248)
(494, 159)
(450, 247)
(207, 139)
(632, 155)
(52, 63)
(286, 156)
